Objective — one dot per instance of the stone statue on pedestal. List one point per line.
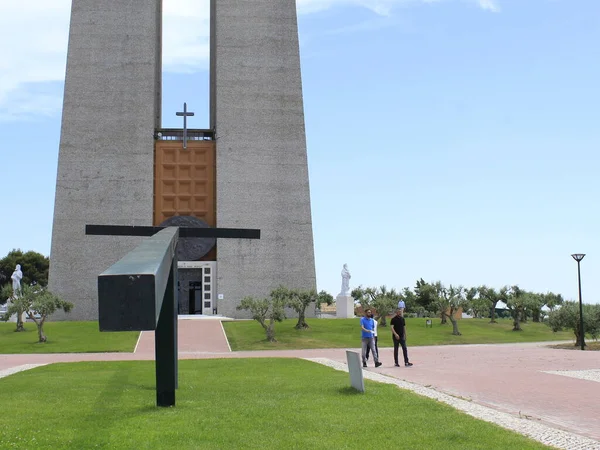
(345, 281)
(16, 278)
(344, 303)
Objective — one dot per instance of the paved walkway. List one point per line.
(559, 388)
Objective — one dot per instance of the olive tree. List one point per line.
(38, 303)
(265, 311)
(298, 300)
(567, 317)
(518, 300)
(450, 301)
(380, 299)
(553, 300)
(426, 295)
(493, 297)
(323, 297)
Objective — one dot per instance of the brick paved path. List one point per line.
(507, 377)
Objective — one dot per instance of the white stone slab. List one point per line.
(355, 370)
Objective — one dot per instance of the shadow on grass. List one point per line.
(103, 413)
(349, 390)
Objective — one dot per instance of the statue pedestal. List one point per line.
(13, 318)
(344, 307)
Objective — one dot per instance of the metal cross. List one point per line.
(139, 292)
(185, 115)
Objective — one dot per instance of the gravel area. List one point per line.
(12, 370)
(590, 375)
(523, 425)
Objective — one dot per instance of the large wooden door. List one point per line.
(184, 181)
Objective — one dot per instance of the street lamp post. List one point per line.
(578, 257)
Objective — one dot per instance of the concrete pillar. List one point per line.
(262, 173)
(105, 167)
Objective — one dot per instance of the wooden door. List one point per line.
(184, 181)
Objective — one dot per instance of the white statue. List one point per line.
(345, 281)
(16, 277)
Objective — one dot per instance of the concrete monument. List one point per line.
(108, 172)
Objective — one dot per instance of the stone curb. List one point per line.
(16, 369)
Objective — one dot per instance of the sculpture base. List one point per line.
(344, 307)
(13, 318)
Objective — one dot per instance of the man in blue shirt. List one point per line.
(367, 326)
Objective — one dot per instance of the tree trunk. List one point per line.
(271, 331)
(536, 315)
(493, 313)
(40, 327)
(301, 325)
(41, 335)
(20, 326)
(382, 322)
(455, 331)
(443, 322)
(578, 337)
(516, 322)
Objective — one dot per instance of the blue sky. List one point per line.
(453, 140)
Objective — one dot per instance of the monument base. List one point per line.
(13, 318)
(344, 307)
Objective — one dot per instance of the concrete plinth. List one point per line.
(344, 307)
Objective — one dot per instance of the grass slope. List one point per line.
(65, 337)
(229, 404)
(344, 333)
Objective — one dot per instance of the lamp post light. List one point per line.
(578, 257)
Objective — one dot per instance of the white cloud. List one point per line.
(381, 7)
(490, 5)
(185, 35)
(35, 34)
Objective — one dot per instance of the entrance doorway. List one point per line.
(197, 281)
(195, 297)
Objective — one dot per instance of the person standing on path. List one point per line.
(366, 326)
(374, 338)
(399, 336)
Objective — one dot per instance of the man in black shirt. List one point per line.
(399, 336)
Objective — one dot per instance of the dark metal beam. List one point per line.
(139, 292)
(131, 291)
(184, 232)
(165, 344)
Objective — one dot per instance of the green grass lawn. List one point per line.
(65, 337)
(229, 404)
(345, 333)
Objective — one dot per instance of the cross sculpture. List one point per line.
(185, 115)
(139, 292)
